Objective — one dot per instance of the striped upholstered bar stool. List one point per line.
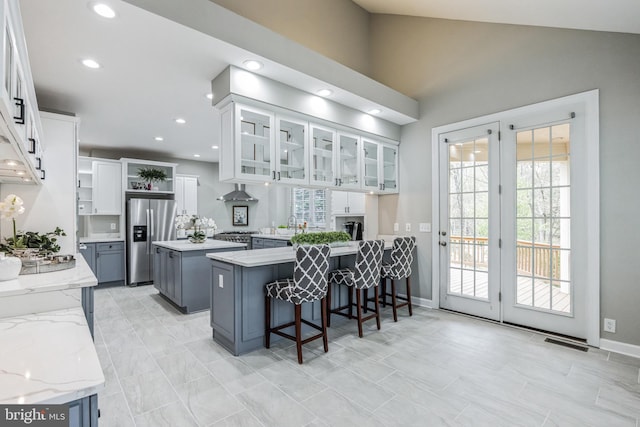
(365, 275)
(309, 283)
(398, 269)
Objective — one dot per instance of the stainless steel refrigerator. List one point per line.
(148, 220)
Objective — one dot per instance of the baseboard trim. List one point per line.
(420, 302)
(620, 347)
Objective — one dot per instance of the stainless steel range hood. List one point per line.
(238, 195)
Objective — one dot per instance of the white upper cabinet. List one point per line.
(23, 156)
(348, 161)
(322, 143)
(379, 167)
(259, 145)
(186, 194)
(134, 183)
(107, 187)
(347, 203)
(290, 149)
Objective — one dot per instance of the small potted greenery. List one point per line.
(152, 175)
(333, 238)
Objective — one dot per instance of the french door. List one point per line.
(469, 221)
(515, 236)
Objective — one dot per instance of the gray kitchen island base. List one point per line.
(237, 297)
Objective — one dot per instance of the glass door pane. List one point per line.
(370, 164)
(348, 165)
(322, 155)
(543, 218)
(255, 141)
(389, 168)
(291, 149)
(469, 218)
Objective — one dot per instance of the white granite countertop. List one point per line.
(258, 257)
(273, 236)
(80, 276)
(100, 239)
(47, 358)
(186, 245)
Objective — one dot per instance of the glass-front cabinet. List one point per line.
(370, 168)
(322, 152)
(254, 133)
(291, 151)
(348, 161)
(389, 168)
(379, 167)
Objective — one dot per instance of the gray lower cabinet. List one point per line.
(106, 260)
(84, 412)
(265, 242)
(183, 277)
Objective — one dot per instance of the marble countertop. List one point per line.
(274, 236)
(80, 276)
(100, 239)
(258, 257)
(185, 245)
(48, 358)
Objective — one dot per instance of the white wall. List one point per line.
(460, 70)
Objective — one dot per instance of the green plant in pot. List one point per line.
(27, 242)
(152, 175)
(320, 238)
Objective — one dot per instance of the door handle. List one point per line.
(19, 102)
(274, 175)
(444, 233)
(278, 176)
(443, 243)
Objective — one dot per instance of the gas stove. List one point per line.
(236, 236)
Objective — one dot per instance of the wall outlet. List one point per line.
(425, 227)
(396, 226)
(407, 227)
(113, 225)
(610, 325)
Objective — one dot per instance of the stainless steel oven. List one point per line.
(236, 236)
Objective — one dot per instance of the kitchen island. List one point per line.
(237, 293)
(181, 271)
(47, 355)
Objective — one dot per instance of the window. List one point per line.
(310, 206)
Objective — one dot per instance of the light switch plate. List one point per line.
(425, 227)
(113, 225)
(220, 281)
(396, 226)
(407, 227)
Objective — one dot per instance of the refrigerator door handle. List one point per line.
(148, 232)
(153, 229)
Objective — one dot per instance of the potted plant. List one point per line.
(151, 175)
(333, 238)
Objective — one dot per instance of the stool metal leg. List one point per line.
(377, 303)
(359, 310)
(393, 300)
(267, 321)
(409, 296)
(323, 310)
(298, 313)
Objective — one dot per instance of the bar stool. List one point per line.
(366, 274)
(400, 268)
(309, 283)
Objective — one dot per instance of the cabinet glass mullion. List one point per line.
(348, 164)
(322, 146)
(292, 150)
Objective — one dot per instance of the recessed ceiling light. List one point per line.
(90, 63)
(252, 65)
(19, 173)
(11, 162)
(196, 155)
(215, 147)
(181, 121)
(324, 92)
(26, 179)
(104, 10)
(375, 111)
(159, 138)
(209, 95)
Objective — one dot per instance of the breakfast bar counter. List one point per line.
(237, 293)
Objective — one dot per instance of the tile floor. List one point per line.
(435, 368)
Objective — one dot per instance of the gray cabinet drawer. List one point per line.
(110, 246)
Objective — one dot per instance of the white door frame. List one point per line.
(590, 100)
